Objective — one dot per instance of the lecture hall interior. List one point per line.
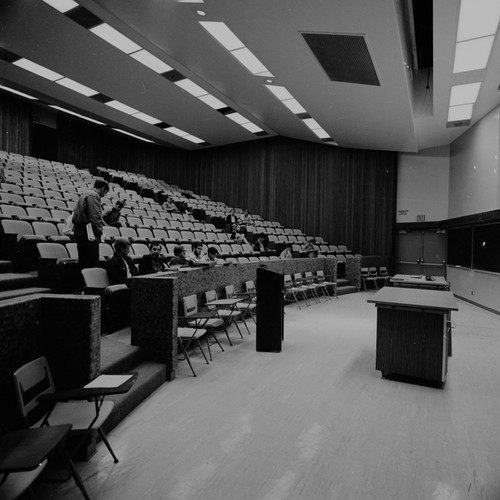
(363, 138)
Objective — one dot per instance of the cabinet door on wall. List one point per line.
(421, 252)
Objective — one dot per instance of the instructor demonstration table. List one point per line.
(409, 280)
(413, 332)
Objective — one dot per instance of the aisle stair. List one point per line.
(17, 284)
(344, 286)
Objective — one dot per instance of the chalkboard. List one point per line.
(460, 247)
(486, 247)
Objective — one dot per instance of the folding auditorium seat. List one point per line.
(35, 201)
(11, 188)
(163, 224)
(332, 249)
(174, 235)
(176, 224)
(139, 250)
(140, 212)
(56, 203)
(145, 234)
(49, 231)
(226, 250)
(133, 221)
(41, 214)
(59, 214)
(15, 212)
(13, 199)
(105, 252)
(29, 182)
(18, 243)
(160, 234)
(56, 269)
(149, 222)
(154, 214)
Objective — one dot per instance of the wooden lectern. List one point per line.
(270, 286)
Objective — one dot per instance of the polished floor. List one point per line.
(314, 422)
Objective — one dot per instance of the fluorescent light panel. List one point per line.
(22, 94)
(223, 34)
(115, 38)
(251, 127)
(459, 113)
(250, 62)
(212, 101)
(294, 106)
(193, 138)
(312, 123)
(472, 54)
(77, 87)
(62, 5)
(76, 114)
(37, 69)
(478, 18)
(151, 61)
(322, 134)
(176, 131)
(464, 94)
(280, 92)
(132, 135)
(122, 107)
(191, 88)
(146, 118)
(236, 117)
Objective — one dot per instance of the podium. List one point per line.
(270, 286)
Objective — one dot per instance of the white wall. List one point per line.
(423, 180)
(474, 168)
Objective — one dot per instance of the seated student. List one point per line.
(154, 262)
(214, 256)
(120, 267)
(231, 221)
(238, 236)
(245, 219)
(260, 244)
(179, 258)
(169, 205)
(111, 217)
(197, 254)
(310, 248)
(287, 252)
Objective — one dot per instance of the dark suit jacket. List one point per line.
(117, 271)
(148, 266)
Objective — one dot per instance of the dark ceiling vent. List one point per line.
(345, 58)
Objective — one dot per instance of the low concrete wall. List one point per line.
(64, 328)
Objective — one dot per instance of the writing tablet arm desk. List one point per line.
(413, 336)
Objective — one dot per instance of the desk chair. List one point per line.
(228, 313)
(40, 405)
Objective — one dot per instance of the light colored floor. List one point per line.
(313, 422)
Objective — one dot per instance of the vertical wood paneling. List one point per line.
(15, 125)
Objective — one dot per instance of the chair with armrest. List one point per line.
(40, 404)
(115, 299)
(227, 312)
(245, 304)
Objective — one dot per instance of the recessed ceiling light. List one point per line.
(458, 113)
(472, 54)
(294, 106)
(147, 118)
(236, 117)
(193, 138)
(322, 134)
(464, 94)
(122, 107)
(478, 18)
(22, 94)
(280, 92)
(151, 61)
(76, 114)
(176, 131)
(250, 62)
(77, 87)
(212, 101)
(132, 135)
(312, 123)
(201, 13)
(62, 5)
(251, 127)
(115, 38)
(37, 69)
(191, 87)
(223, 34)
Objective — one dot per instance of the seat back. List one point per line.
(209, 296)
(250, 286)
(95, 277)
(190, 304)
(365, 273)
(72, 250)
(52, 251)
(14, 210)
(31, 381)
(18, 227)
(105, 251)
(45, 229)
(229, 291)
(383, 271)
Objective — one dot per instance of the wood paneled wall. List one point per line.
(345, 196)
(15, 125)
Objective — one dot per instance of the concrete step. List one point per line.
(118, 357)
(13, 281)
(346, 289)
(151, 376)
(6, 266)
(21, 292)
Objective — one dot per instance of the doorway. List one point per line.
(421, 252)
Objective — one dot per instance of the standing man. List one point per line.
(89, 210)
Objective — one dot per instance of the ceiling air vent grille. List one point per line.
(345, 58)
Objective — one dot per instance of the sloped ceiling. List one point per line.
(399, 115)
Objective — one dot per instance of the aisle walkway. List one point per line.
(314, 422)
